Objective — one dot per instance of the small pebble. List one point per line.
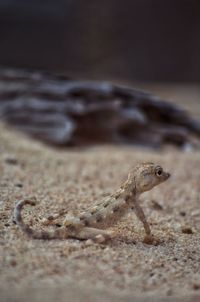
(58, 225)
(196, 286)
(13, 262)
(11, 160)
(187, 230)
(19, 185)
(183, 213)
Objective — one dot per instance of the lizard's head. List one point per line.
(148, 175)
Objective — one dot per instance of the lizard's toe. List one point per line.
(100, 238)
(89, 242)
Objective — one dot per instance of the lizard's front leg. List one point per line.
(141, 216)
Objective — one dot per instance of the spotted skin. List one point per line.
(92, 224)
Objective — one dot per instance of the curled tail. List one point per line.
(60, 233)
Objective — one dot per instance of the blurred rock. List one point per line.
(65, 112)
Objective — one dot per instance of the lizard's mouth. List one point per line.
(166, 175)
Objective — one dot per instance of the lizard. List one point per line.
(94, 222)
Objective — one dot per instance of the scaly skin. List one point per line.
(92, 224)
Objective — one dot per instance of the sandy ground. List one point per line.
(125, 269)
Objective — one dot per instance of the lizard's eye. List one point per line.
(159, 171)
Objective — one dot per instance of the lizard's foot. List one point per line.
(102, 238)
(93, 235)
(98, 239)
(149, 239)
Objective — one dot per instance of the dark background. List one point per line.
(142, 40)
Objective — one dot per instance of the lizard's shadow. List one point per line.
(119, 240)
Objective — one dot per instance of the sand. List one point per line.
(125, 269)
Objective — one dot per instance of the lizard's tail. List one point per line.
(58, 233)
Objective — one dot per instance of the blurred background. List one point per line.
(153, 45)
(123, 40)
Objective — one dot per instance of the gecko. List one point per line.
(93, 223)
